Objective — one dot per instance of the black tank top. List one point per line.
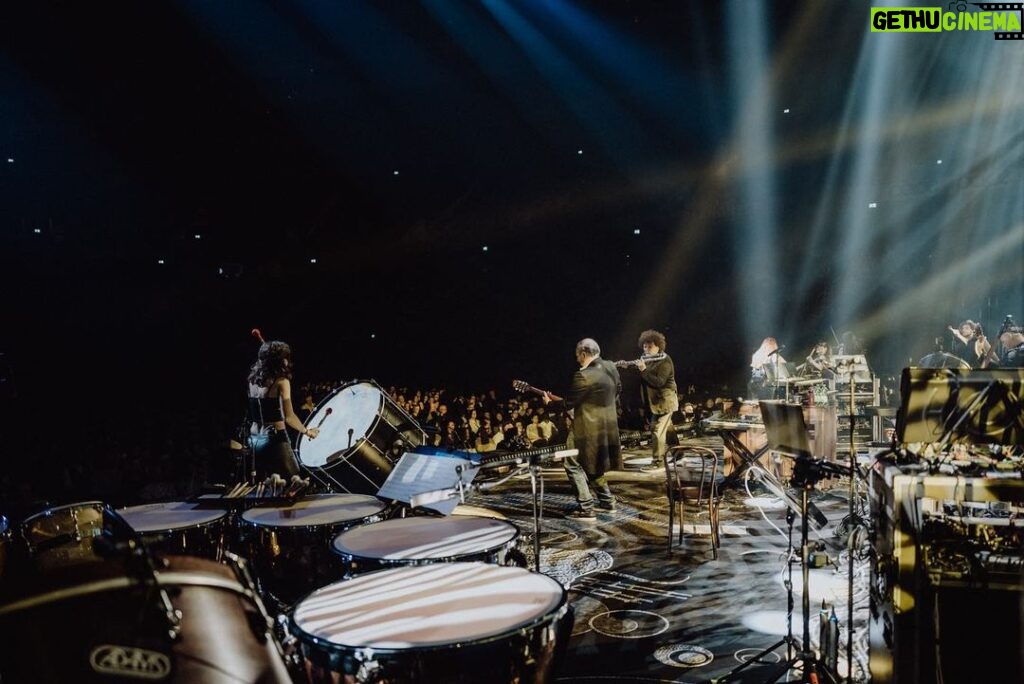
(266, 410)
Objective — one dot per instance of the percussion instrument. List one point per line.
(361, 428)
(289, 546)
(178, 527)
(64, 534)
(447, 622)
(179, 620)
(479, 511)
(424, 539)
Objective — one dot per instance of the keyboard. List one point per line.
(541, 455)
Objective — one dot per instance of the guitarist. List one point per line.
(595, 430)
(658, 386)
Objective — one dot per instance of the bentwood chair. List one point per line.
(692, 475)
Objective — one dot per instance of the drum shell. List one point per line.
(100, 623)
(61, 535)
(156, 526)
(524, 653)
(431, 530)
(292, 560)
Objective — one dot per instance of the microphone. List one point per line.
(327, 413)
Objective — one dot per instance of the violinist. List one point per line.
(819, 362)
(972, 346)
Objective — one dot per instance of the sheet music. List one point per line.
(422, 473)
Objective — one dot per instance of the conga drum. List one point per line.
(450, 622)
(289, 545)
(424, 539)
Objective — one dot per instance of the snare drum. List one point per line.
(63, 535)
(289, 545)
(421, 539)
(449, 622)
(178, 528)
(359, 427)
(107, 622)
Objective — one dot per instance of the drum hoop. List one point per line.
(66, 507)
(553, 615)
(327, 399)
(254, 523)
(183, 528)
(166, 579)
(385, 397)
(427, 560)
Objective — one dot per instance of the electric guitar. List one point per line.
(522, 386)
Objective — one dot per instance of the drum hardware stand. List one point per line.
(806, 472)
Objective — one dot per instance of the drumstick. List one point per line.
(326, 413)
(258, 335)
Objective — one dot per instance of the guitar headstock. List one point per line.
(521, 386)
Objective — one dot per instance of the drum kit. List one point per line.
(318, 588)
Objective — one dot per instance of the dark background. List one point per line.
(274, 130)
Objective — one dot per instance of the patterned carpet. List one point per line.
(642, 615)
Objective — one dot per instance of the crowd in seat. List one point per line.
(164, 457)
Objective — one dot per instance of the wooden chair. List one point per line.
(692, 470)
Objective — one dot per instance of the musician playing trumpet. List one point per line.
(659, 391)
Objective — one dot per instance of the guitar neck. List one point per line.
(525, 387)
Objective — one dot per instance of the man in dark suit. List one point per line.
(658, 385)
(595, 430)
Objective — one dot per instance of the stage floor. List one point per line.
(642, 615)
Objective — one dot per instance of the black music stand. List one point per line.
(787, 434)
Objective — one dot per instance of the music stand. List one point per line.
(787, 434)
(430, 478)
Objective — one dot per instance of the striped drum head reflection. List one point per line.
(427, 606)
(425, 538)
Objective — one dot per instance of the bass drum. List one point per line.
(363, 433)
(451, 622)
(113, 620)
(178, 527)
(420, 540)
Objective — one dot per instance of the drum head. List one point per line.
(322, 509)
(479, 511)
(165, 517)
(445, 604)
(354, 408)
(425, 538)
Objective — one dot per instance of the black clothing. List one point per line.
(595, 425)
(273, 454)
(1013, 357)
(266, 410)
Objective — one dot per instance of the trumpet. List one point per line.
(646, 358)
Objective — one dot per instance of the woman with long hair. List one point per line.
(270, 411)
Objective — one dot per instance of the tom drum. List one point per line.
(178, 528)
(289, 546)
(449, 622)
(423, 539)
